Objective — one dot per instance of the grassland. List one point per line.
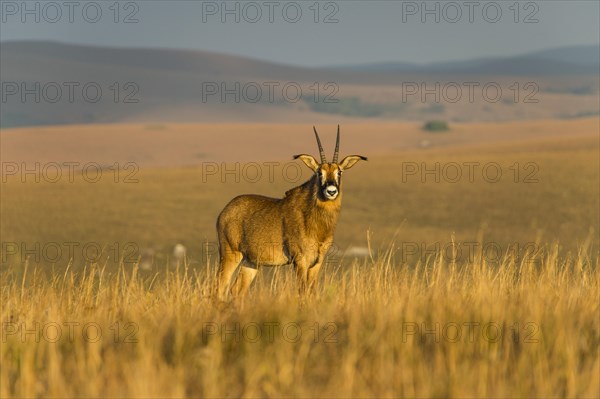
(372, 329)
(547, 192)
(418, 316)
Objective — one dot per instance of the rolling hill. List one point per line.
(48, 83)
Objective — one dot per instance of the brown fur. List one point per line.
(297, 229)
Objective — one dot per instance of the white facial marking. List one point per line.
(331, 192)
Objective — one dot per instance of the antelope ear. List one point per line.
(350, 160)
(309, 161)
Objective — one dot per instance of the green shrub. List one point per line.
(436, 126)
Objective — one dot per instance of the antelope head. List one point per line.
(328, 175)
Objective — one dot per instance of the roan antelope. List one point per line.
(297, 229)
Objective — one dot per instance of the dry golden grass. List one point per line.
(175, 145)
(170, 206)
(391, 323)
(526, 328)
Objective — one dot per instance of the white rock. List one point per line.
(179, 252)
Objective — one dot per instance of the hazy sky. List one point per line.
(285, 31)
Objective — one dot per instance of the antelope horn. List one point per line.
(337, 146)
(323, 160)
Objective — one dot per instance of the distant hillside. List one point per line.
(46, 83)
(556, 61)
(159, 59)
